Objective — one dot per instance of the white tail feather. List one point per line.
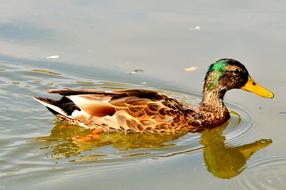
(53, 107)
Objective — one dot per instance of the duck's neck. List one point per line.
(213, 93)
(212, 104)
(213, 98)
(210, 113)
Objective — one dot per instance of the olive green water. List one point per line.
(111, 45)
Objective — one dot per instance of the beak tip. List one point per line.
(252, 86)
(269, 95)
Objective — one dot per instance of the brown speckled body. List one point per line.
(137, 111)
(144, 111)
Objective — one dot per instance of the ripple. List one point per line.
(267, 173)
(241, 123)
(45, 71)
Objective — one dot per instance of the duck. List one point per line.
(147, 111)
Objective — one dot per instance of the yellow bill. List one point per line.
(252, 86)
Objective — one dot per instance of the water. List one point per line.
(107, 45)
(267, 173)
(34, 146)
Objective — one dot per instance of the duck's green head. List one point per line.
(226, 74)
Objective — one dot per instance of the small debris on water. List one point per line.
(195, 28)
(53, 57)
(135, 71)
(191, 69)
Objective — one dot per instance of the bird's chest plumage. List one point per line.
(207, 117)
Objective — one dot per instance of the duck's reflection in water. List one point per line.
(226, 161)
(66, 141)
(223, 161)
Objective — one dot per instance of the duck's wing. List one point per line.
(111, 93)
(100, 103)
(128, 110)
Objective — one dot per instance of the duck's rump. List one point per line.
(119, 110)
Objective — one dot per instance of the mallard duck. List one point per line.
(145, 111)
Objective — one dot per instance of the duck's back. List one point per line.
(120, 110)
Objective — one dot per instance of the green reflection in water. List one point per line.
(226, 161)
(66, 141)
(222, 161)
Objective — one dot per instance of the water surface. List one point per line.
(112, 45)
(35, 146)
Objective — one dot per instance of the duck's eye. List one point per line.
(236, 71)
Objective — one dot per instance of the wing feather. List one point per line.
(93, 106)
(126, 110)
